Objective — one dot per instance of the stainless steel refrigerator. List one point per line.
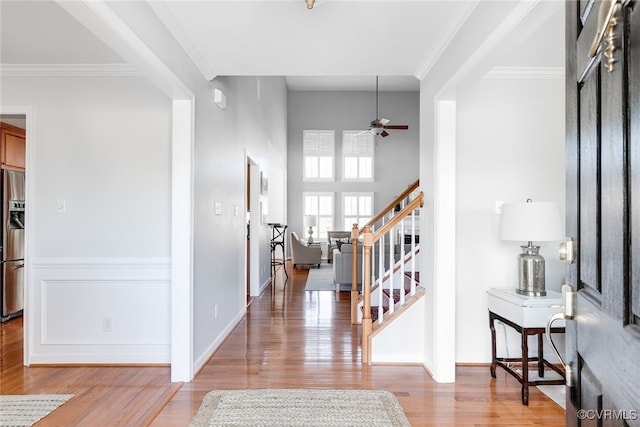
(12, 228)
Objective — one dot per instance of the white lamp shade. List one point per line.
(534, 221)
(310, 221)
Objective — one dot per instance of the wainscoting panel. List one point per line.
(99, 311)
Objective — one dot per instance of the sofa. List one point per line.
(342, 262)
(342, 259)
(302, 254)
(334, 240)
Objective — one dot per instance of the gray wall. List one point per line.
(396, 156)
(253, 126)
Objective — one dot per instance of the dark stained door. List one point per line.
(603, 214)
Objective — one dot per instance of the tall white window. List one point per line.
(319, 205)
(357, 155)
(318, 154)
(357, 208)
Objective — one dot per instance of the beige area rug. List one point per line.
(298, 407)
(320, 279)
(26, 410)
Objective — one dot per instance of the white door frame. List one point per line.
(28, 113)
(254, 226)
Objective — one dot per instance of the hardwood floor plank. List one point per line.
(290, 338)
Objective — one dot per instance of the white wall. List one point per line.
(102, 145)
(396, 156)
(510, 147)
(106, 150)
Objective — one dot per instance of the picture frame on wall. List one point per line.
(264, 184)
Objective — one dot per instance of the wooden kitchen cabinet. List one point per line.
(12, 147)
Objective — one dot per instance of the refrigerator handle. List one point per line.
(18, 266)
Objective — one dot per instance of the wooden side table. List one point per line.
(528, 316)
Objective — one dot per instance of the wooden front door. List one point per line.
(603, 212)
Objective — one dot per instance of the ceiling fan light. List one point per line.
(309, 3)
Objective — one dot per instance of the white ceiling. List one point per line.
(337, 45)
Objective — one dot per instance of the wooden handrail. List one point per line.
(410, 189)
(418, 202)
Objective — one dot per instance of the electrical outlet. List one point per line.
(499, 204)
(61, 206)
(107, 324)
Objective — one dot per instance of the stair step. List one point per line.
(407, 277)
(375, 312)
(396, 294)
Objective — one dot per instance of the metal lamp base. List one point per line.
(531, 272)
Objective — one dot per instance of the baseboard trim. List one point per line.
(204, 358)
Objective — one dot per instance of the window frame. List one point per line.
(370, 153)
(317, 235)
(358, 194)
(318, 156)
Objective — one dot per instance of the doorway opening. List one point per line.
(252, 218)
(14, 291)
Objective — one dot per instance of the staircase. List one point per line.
(397, 297)
(390, 281)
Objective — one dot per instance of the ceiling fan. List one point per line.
(380, 126)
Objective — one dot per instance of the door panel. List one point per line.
(634, 150)
(603, 216)
(589, 194)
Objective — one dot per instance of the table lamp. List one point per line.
(539, 221)
(310, 221)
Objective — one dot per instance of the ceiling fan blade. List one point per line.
(397, 127)
(384, 133)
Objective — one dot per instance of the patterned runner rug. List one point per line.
(26, 410)
(298, 407)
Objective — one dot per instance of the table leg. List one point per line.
(540, 357)
(492, 368)
(525, 367)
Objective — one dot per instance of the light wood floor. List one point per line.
(289, 339)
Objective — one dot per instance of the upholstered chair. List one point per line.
(302, 254)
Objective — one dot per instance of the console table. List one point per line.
(528, 316)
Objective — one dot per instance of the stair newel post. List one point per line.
(367, 325)
(355, 232)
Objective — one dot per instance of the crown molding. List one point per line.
(68, 70)
(525, 73)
